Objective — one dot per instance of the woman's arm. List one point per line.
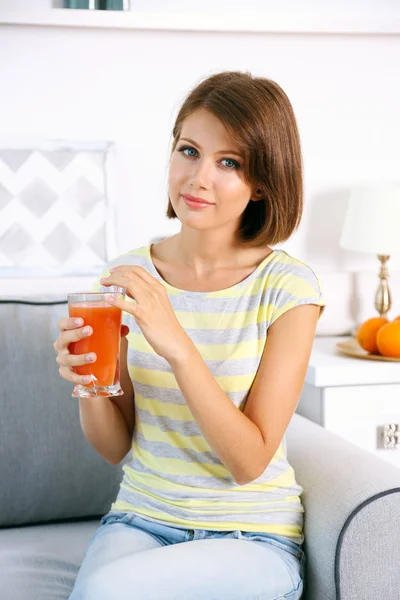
(108, 422)
(246, 442)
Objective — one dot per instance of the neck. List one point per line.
(205, 251)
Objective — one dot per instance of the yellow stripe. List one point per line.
(152, 433)
(185, 504)
(194, 505)
(143, 251)
(197, 443)
(293, 284)
(96, 286)
(248, 349)
(285, 480)
(277, 529)
(164, 379)
(179, 412)
(257, 285)
(226, 320)
(152, 480)
(176, 466)
(152, 377)
(241, 319)
(290, 305)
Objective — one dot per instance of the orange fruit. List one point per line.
(367, 333)
(388, 339)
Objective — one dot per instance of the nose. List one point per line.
(202, 174)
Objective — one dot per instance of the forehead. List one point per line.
(206, 129)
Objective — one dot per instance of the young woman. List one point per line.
(221, 328)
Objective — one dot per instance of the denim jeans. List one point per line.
(133, 558)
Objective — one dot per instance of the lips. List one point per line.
(195, 201)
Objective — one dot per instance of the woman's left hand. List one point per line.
(153, 311)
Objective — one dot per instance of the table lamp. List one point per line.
(372, 224)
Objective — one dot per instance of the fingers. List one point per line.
(71, 335)
(68, 323)
(66, 373)
(71, 330)
(139, 271)
(65, 359)
(129, 307)
(135, 286)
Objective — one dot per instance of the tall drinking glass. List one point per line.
(105, 321)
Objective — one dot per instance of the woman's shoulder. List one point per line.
(137, 256)
(291, 282)
(286, 266)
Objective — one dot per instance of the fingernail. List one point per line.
(89, 357)
(86, 331)
(87, 379)
(110, 299)
(78, 322)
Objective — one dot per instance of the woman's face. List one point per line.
(207, 164)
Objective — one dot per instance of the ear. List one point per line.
(258, 195)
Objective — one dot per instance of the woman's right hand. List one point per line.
(72, 330)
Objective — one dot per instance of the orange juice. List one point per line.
(105, 320)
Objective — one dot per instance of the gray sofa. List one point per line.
(54, 487)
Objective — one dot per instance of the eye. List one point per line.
(233, 164)
(189, 149)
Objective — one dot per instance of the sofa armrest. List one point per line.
(352, 515)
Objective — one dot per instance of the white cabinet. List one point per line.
(354, 398)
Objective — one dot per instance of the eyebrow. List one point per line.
(219, 151)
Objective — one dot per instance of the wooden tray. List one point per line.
(351, 347)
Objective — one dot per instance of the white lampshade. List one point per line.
(372, 222)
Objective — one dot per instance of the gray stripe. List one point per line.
(272, 472)
(252, 332)
(164, 450)
(211, 512)
(197, 481)
(130, 259)
(228, 336)
(259, 498)
(175, 396)
(293, 269)
(167, 395)
(280, 514)
(220, 368)
(168, 425)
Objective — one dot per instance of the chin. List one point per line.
(188, 217)
(193, 223)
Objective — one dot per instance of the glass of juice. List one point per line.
(105, 321)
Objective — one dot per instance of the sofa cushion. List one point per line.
(41, 562)
(48, 470)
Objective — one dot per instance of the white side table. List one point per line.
(355, 398)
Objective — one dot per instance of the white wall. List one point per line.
(343, 8)
(126, 86)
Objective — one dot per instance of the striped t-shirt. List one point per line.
(174, 477)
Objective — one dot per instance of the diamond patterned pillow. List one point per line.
(54, 208)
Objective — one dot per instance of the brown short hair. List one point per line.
(258, 115)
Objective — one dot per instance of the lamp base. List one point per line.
(383, 300)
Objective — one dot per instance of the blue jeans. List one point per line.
(132, 558)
